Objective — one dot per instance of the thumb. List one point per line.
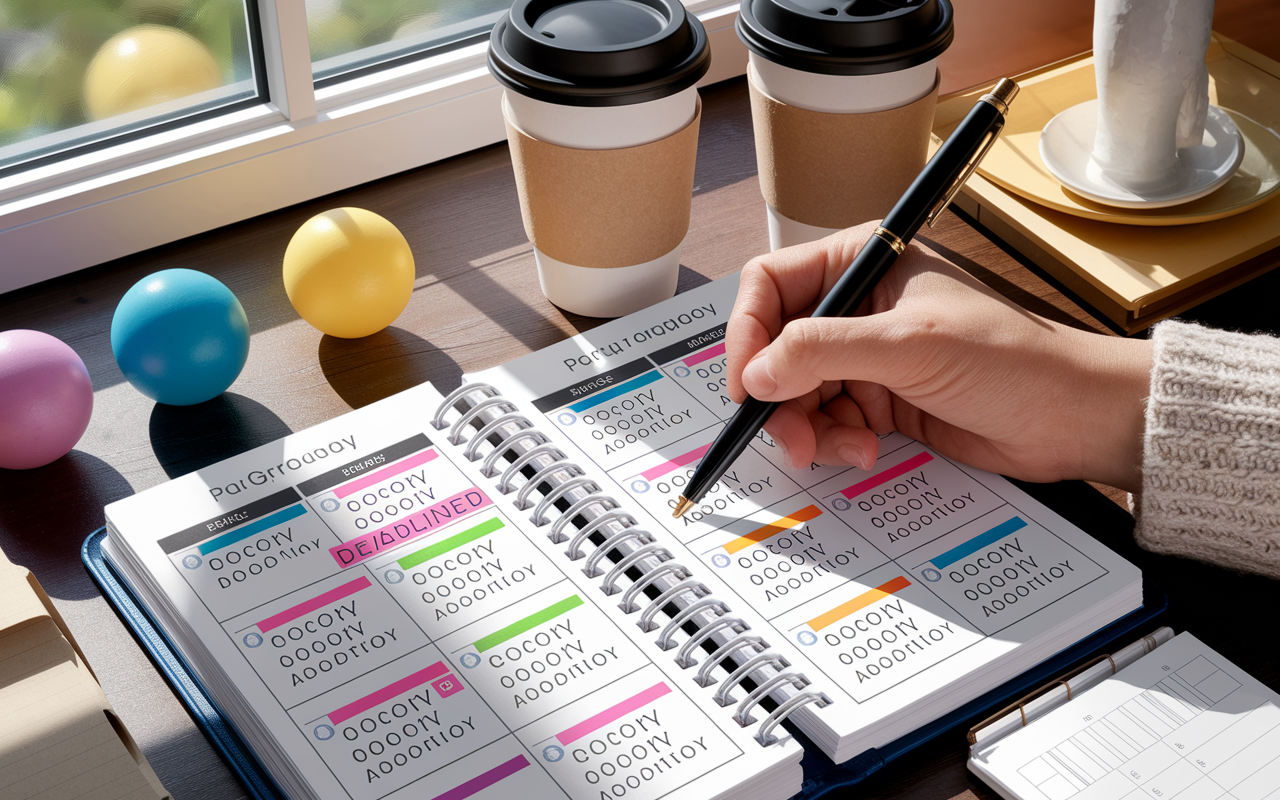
(811, 351)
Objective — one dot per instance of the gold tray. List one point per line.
(1129, 275)
(1250, 97)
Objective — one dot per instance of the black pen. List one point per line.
(927, 196)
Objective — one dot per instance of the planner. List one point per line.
(1181, 721)
(484, 593)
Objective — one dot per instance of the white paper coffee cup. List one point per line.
(828, 84)
(613, 291)
(833, 94)
(602, 116)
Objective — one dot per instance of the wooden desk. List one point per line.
(477, 304)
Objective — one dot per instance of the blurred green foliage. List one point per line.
(341, 27)
(46, 45)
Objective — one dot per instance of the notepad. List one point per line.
(904, 591)
(485, 594)
(1182, 722)
(59, 737)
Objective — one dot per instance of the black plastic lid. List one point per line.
(598, 52)
(846, 37)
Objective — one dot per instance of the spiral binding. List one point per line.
(736, 645)
(592, 569)
(689, 585)
(613, 514)
(618, 544)
(666, 639)
(510, 473)
(722, 697)
(610, 583)
(539, 477)
(488, 469)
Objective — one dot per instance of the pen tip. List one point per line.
(684, 505)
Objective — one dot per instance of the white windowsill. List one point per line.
(88, 210)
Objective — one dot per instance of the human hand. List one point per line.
(938, 356)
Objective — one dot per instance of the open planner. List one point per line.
(485, 594)
(1179, 721)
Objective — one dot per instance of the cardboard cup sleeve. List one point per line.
(606, 208)
(838, 170)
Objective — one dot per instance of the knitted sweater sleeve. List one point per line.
(1211, 453)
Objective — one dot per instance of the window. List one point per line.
(320, 95)
(77, 72)
(349, 35)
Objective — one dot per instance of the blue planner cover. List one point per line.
(257, 782)
(821, 775)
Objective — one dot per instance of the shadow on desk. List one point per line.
(43, 531)
(1248, 308)
(366, 370)
(188, 438)
(205, 779)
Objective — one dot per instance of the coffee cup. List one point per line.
(602, 120)
(842, 102)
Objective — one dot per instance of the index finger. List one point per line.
(781, 285)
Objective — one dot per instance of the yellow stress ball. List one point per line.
(348, 272)
(146, 65)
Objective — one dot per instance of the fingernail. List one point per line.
(852, 454)
(756, 378)
(786, 457)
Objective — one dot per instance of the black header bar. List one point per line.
(232, 519)
(360, 466)
(586, 388)
(691, 345)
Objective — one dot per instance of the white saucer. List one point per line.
(1067, 142)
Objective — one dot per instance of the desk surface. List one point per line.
(476, 304)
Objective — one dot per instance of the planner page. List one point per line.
(1182, 722)
(361, 596)
(887, 586)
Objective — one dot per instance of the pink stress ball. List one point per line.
(45, 399)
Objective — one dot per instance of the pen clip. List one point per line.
(964, 176)
(999, 98)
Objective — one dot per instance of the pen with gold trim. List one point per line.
(923, 201)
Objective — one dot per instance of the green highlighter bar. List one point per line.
(532, 621)
(452, 543)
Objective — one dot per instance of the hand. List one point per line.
(935, 355)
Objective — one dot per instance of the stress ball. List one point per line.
(46, 399)
(180, 337)
(348, 272)
(146, 65)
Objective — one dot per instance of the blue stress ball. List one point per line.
(180, 337)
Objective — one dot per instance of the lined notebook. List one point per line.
(1181, 722)
(473, 595)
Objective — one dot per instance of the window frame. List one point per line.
(306, 142)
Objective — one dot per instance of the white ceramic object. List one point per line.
(591, 291)
(833, 94)
(1066, 147)
(1153, 90)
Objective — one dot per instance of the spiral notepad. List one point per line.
(428, 598)
(448, 597)
(900, 593)
(573, 508)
